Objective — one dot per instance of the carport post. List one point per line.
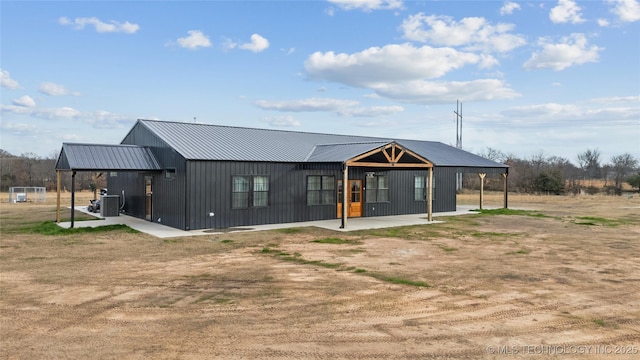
(504, 176)
(345, 184)
(430, 195)
(58, 197)
(481, 176)
(73, 197)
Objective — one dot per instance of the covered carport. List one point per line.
(100, 158)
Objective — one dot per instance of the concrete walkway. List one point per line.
(362, 223)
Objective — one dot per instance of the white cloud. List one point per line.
(605, 112)
(509, 7)
(627, 10)
(572, 50)
(372, 111)
(338, 106)
(368, 5)
(228, 44)
(401, 72)
(98, 119)
(603, 22)
(474, 33)
(282, 121)
(194, 40)
(430, 92)
(632, 100)
(52, 89)
(311, 104)
(100, 26)
(7, 82)
(19, 128)
(391, 63)
(566, 11)
(257, 44)
(24, 101)
(16, 109)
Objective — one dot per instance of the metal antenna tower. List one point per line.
(458, 113)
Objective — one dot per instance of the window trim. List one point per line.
(372, 195)
(170, 173)
(322, 191)
(250, 201)
(424, 188)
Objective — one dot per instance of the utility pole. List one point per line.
(458, 113)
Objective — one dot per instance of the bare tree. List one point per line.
(589, 162)
(622, 165)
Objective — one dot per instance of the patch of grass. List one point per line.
(360, 271)
(448, 249)
(503, 211)
(293, 230)
(52, 229)
(597, 221)
(173, 241)
(296, 257)
(398, 280)
(332, 241)
(226, 241)
(519, 252)
(490, 234)
(603, 323)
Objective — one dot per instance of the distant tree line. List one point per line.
(548, 174)
(29, 169)
(540, 173)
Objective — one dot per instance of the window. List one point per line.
(247, 190)
(240, 192)
(169, 174)
(260, 191)
(321, 190)
(377, 189)
(420, 189)
(113, 174)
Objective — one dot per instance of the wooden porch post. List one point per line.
(345, 195)
(481, 176)
(506, 202)
(430, 195)
(58, 198)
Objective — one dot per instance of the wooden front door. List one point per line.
(354, 198)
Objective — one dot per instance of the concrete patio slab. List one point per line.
(353, 224)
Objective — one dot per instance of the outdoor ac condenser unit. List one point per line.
(109, 205)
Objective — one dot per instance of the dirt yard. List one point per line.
(561, 281)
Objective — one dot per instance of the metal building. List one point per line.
(199, 176)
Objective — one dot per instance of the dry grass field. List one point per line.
(559, 280)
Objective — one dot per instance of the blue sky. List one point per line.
(556, 77)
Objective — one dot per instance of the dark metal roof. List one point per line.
(105, 157)
(341, 152)
(215, 142)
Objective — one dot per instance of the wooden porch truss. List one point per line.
(395, 155)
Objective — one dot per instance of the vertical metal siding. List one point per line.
(209, 191)
(168, 200)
